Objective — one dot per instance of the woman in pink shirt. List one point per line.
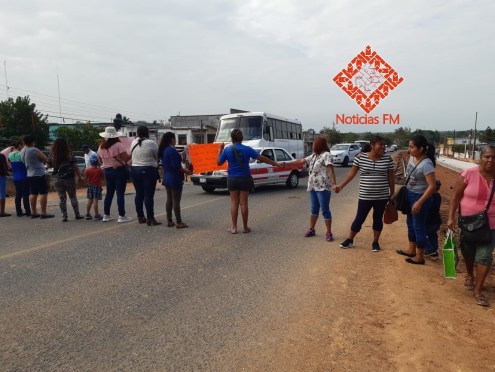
(472, 192)
(114, 157)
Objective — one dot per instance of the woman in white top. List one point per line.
(321, 178)
(144, 171)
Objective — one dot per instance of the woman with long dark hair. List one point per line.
(320, 181)
(239, 180)
(114, 157)
(65, 170)
(376, 187)
(144, 173)
(173, 178)
(420, 188)
(20, 181)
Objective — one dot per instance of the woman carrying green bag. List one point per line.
(474, 195)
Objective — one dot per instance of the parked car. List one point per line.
(344, 153)
(263, 174)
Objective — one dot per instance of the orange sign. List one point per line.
(368, 79)
(204, 157)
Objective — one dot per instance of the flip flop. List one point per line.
(469, 284)
(411, 261)
(248, 230)
(401, 252)
(230, 231)
(481, 300)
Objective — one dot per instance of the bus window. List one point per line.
(278, 129)
(284, 130)
(251, 127)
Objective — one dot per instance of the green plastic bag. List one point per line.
(449, 256)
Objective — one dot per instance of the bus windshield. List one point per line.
(250, 126)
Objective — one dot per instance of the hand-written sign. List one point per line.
(204, 157)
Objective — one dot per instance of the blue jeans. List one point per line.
(432, 238)
(22, 194)
(116, 179)
(144, 180)
(416, 223)
(320, 199)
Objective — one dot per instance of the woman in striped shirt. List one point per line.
(376, 186)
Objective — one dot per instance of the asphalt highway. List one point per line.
(87, 295)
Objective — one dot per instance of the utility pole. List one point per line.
(6, 81)
(474, 137)
(59, 104)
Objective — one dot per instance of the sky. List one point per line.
(151, 59)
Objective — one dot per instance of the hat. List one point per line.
(93, 159)
(110, 132)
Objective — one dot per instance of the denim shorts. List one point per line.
(482, 254)
(3, 186)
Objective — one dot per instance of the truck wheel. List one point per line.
(345, 163)
(292, 181)
(208, 188)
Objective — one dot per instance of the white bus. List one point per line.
(261, 129)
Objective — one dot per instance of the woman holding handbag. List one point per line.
(114, 157)
(473, 195)
(420, 187)
(239, 180)
(376, 187)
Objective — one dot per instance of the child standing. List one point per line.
(433, 222)
(94, 175)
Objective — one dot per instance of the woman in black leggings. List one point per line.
(376, 187)
(173, 178)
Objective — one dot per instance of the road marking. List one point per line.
(114, 227)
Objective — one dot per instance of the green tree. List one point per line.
(81, 134)
(349, 137)
(332, 134)
(488, 135)
(402, 136)
(20, 117)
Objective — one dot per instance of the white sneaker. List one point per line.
(107, 217)
(123, 219)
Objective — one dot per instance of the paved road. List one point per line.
(87, 295)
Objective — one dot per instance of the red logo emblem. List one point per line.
(368, 79)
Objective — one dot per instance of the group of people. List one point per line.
(377, 191)
(110, 164)
(376, 188)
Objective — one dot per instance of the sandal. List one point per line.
(231, 231)
(481, 300)
(469, 283)
(401, 252)
(411, 261)
(181, 225)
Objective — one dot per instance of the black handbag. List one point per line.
(401, 199)
(475, 229)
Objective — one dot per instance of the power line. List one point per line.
(64, 100)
